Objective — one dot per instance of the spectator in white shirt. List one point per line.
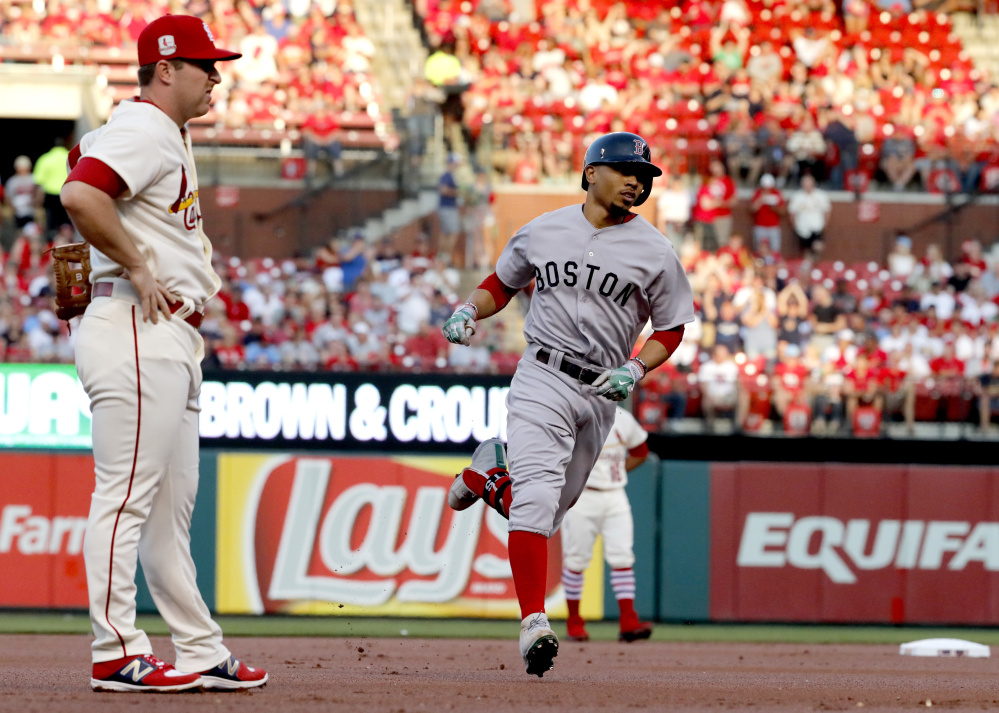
(259, 62)
(940, 299)
(673, 210)
(719, 382)
(901, 261)
(810, 209)
(595, 93)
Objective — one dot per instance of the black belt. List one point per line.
(587, 376)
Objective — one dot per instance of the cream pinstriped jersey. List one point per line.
(160, 209)
(609, 471)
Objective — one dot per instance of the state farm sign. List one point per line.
(854, 543)
(44, 500)
(840, 549)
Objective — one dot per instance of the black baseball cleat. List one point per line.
(538, 644)
(643, 630)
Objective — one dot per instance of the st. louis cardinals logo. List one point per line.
(186, 202)
(640, 147)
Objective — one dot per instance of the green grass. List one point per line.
(78, 623)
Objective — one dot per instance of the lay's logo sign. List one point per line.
(319, 535)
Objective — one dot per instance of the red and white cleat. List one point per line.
(231, 675)
(141, 674)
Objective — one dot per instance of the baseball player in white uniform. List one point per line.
(133, 195)
(603, 509)
(600, 273)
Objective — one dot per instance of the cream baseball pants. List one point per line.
(143, 380)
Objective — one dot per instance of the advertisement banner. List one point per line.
(43, 406)
(854, 543)
(363, 536)
(44, 500)
(401, 413)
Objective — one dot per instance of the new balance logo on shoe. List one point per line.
(136, 670)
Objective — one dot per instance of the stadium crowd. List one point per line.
(306, 66)
(773, 93)
(818, 346)
(866, 90)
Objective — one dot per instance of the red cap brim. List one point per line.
(218, 54)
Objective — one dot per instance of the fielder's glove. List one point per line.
(71, 265)
(616, 384)
(460, 326)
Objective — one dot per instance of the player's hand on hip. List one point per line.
(616, 384)
(153, 296)
(460, 326)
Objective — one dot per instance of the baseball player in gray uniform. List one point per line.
(133, 195)
(603, 509)
(600, 274)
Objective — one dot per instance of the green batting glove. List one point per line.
(616, 384)
(460, 326)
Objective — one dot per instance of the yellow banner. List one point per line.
(366, 536)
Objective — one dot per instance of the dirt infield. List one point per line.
(50, 674)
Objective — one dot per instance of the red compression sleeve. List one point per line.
(500, 292)
(642, 449)
(98, 174)
(669, 338)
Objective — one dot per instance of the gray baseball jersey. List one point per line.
(594, 292)
(595, 289)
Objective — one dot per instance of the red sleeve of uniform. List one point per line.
(500, 292)
(639, 451)
(98, 174)
(669, 338)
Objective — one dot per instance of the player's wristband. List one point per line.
(474, 309)
(644, 367)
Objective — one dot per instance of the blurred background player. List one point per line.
(603, 509)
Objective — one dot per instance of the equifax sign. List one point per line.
(842, 549)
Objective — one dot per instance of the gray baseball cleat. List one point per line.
(488, 459)
(538, 644)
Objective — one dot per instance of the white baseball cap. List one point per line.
(767, 181)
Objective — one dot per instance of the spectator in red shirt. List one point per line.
(721, 187)
(320, 134)
(711, 204)
(897, 390)
(947, 366)
(768, 206)
(876, 358)
(231, 354)
(426, 346)
(861, 386)
(235, 308)
(790, 380)
(737, 252)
